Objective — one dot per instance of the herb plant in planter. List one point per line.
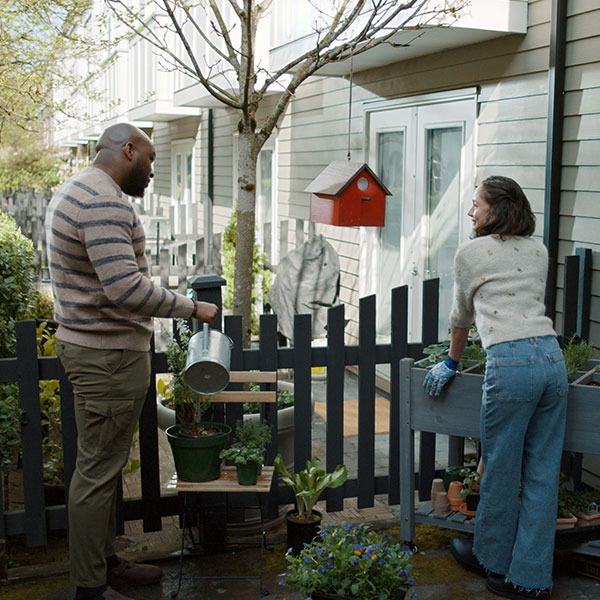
(470, 491)
(351, 562)
(248, 451)
(308, 484)
(196, 444)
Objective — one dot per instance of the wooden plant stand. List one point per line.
(227, 482)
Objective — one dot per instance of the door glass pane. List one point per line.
(390, 161)
(442, 206)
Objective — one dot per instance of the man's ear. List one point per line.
(128, 150)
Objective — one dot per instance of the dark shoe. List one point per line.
(128, 573)
(506, 589)
(462, 550)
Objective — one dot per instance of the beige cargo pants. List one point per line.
(109, 387)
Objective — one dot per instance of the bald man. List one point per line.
(104, 302)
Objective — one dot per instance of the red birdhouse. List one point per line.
(348, 194)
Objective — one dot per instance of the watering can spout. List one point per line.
(208, 361)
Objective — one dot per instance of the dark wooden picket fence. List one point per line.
(28, 369)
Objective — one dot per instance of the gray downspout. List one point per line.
(208, 211)
(554, 143)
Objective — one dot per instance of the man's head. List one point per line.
(126, 153)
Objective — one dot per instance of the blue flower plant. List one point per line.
(353, 562)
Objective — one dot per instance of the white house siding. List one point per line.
(511, 72)
(314, 132)
(580, 197)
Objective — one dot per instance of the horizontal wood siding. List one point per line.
(313, 133)
(580, 197)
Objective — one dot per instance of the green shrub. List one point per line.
(577, 352)
(17, 281)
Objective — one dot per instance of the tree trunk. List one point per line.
(244, 243)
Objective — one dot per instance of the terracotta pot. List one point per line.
(584, 520)
(566, 522)
(454, 489)
(437, 485)
(439, 501)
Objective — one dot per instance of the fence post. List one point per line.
(399, 350)
(366, 402)
(29, 399)
(302, 390)
(430, 328)
(570, 300)
(335, 401)
(585, 292)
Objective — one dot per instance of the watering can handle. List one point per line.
(205, 338)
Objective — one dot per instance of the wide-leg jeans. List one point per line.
(109, 387)
(523, 416)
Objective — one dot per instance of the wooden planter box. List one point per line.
(456, 412)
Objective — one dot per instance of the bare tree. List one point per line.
(342, 28)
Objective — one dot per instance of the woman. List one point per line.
(499, 283)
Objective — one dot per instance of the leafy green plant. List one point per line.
(189, 405)
(309, 483)
(470, 485)
(577, 501)
(251, 440)
(17, 281)
(42, 307)
(577, 352)
(351, 561)
(11, 419)
(285, 399)
(253, 434)
(473, 352)
(259, 270)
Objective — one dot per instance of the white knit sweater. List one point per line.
(500, 285)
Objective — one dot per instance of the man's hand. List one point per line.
(205, 312)
(437, 377)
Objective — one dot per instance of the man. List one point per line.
(104, 304)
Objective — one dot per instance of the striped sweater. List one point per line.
(103, 295)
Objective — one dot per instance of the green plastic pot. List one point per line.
(197, 458)
(247, 474)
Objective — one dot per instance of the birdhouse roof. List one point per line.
(338, 175)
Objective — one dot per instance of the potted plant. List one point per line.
(248, 451)
(470, 491)
(351, 562)
(308, 484)
(578, 508)
(196, 445)
(577, 354)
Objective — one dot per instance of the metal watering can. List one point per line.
(208, 361)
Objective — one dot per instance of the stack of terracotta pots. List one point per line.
(439, 498)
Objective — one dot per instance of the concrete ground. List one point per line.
(437, 575)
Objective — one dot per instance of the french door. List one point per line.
(424, 155)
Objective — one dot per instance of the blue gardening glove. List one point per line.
(438, 376)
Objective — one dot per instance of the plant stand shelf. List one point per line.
(450, 520)
(227, 482)
(456, 413)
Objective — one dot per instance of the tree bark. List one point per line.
(244, 243)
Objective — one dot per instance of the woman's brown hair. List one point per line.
(510, 212)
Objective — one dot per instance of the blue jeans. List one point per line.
(523, 416)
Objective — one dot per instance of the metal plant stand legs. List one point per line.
(225, 483)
